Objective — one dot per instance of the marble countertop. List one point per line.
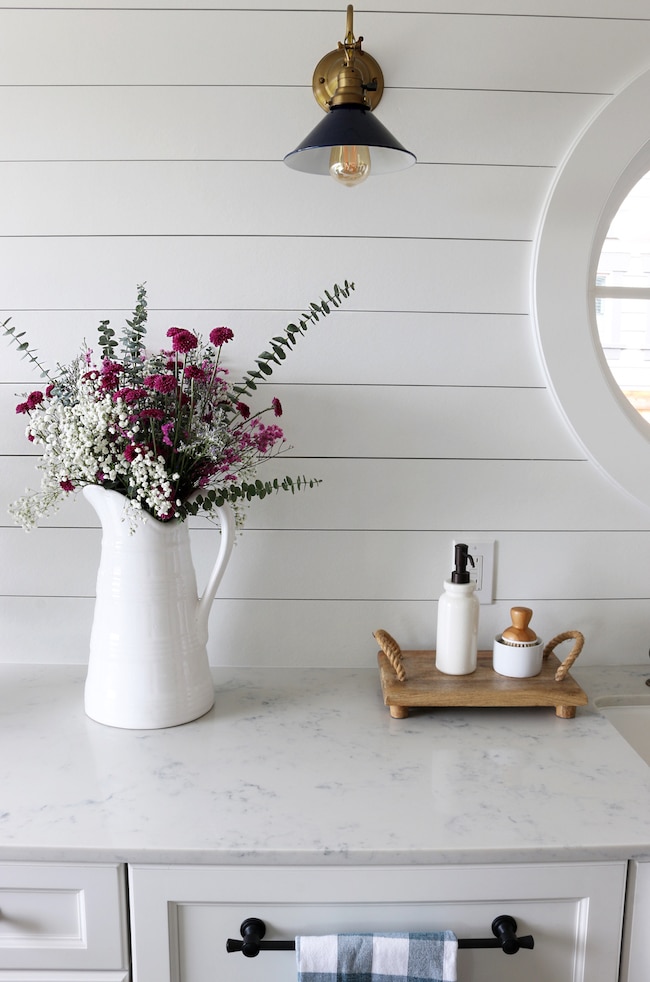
(306, 766)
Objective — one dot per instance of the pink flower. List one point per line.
(34, 399)
(22, 407)
(266, 436)
(131, 451)
(161, 383)
(67, 485)
(220, 335)
(49, 390)
(167, 428)
(243, 410)
(129, 395)
(277, 407)
(151, 413)
(182, 340)
(193, 371)
(110, 374)
(110, 380)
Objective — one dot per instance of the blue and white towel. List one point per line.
(426, 957)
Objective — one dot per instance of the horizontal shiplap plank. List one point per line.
(257, 123)
(419, 50)
(200, 197)
(406, 495)
(612, 9)
(325, 633)
(241, 271)
(340, 633)
(432, 349)
(397, 421)
(350, 564)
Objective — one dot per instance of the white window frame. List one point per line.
(609, 157)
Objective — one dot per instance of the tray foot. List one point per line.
(565, 712)
(399, 712)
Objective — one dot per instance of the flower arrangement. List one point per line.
(168, 430)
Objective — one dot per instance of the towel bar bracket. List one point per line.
(504, 929)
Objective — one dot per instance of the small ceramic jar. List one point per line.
(517, 661)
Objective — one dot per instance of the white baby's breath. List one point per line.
(169, 430)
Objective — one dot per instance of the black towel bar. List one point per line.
(504, 929)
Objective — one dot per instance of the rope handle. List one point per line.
(563, 669)
(393, 652)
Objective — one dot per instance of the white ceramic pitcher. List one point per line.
(148, 664)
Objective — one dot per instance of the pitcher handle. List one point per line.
(228, 532)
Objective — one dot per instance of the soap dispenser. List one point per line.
(458, 609)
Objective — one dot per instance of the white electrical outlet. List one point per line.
(482, 572)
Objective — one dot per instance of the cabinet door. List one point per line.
(636, 949)
(181, 917)
(62, 917)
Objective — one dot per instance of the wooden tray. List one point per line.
(425, 686)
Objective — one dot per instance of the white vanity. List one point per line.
(300, 801)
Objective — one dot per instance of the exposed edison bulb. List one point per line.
(350, 165)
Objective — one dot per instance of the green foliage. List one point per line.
(107, 340)
(129, 350)
(136, 329)
(18, 338)
(282, 343)
(216, 497)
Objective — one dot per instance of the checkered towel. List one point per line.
(377, 957)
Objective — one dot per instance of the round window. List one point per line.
(570, 304)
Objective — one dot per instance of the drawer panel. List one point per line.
(62, 916)
(574, 913)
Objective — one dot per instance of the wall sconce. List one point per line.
(350, 142)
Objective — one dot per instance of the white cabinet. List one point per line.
(59, 922)
(182, 916)
(635, 962)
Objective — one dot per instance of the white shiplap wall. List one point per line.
(143, 141)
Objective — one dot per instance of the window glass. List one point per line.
(622, 297)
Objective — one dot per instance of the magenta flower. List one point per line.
(194, 372)
(110, 372)
(162, 383)
(110, 380)
(266, 437)
(131, 451)
(182, 340)
(129, 395)
(220, 335)
(167, 429)
(156, 426)
(34, 399)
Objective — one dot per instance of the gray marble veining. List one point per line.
(306, 766)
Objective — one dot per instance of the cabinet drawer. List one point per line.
(62, 917)
(181, 917)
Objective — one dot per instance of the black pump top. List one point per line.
(461, 558)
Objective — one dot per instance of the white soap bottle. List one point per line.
(458, 610)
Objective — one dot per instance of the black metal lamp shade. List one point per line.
(349, 125)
